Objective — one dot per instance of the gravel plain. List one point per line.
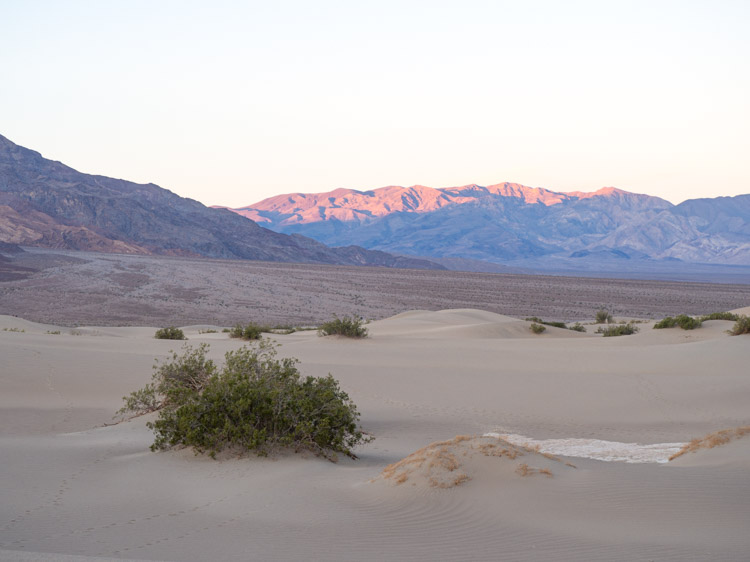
(84, 288)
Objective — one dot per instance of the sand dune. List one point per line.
(71, 484)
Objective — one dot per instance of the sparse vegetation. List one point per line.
(208, 331)
(349, 326)
(170, 333)
(602, 316)
(712, 440)
(19, 330)
(577, 327)
(255, 402)
(688, 322)
(741, 326)
(720, 316)
(617, 330)
(537, 328)
(683, 321)
(251, 331)
(53, 332)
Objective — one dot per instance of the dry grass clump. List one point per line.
(712, 440)
(442, 464)
(526, 470)
(435, 460)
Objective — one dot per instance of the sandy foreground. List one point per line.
(72, 487)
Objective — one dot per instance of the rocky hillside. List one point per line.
(47, 204)
(509, 223)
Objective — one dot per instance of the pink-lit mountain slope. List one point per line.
(508, 222)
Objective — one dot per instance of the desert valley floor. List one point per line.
(74, 484)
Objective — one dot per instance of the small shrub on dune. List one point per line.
(348, 326)
(537, 328)
(720, 316)
(665, 323)
(683, 321)
(617, 330)
(741, 326)
(251, 331)
(688, 322)
(256, 402)
(603, 316)
(577, 327)
(170, 333)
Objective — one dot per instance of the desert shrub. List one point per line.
(548, 322)
(251, 331)
(603, 316)
(208, 331)
(172, 381)
(683, 321)
(169, 333)
(617, 330)
(537, 328)
(577, 327)
(741, 326)
(687, 322)
(664, 323)
(256, 402)
(349, 326)
(720, 316)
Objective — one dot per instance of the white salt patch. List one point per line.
(610, 451)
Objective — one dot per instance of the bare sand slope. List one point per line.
(69, 485)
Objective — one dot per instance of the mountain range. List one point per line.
(48, 204)
(510, 223)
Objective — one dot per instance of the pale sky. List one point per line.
(232, 102)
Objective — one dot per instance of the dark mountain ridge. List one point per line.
(48, 204)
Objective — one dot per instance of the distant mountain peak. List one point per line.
(512, 221)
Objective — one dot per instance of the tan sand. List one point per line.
(71, 486)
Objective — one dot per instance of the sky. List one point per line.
(232, 102)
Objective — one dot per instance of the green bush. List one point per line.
(667, 322)
(537, 328)
(250, 332)
(683, 321)
(256, 402)
(741, 326)
(170, 333)
(687, 322)
(577, 327)
(603, 316)
(720, 316)
(617, 330)
(351, 327)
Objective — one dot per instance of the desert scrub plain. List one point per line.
(69, 288)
